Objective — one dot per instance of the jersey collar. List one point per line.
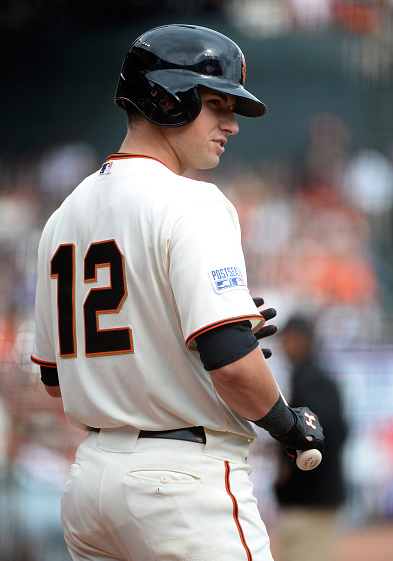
(125, 156)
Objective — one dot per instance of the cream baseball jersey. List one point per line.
(135, 263)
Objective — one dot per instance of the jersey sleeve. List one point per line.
(43, 347)
(207, 271)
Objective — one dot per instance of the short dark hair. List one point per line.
(133, 116)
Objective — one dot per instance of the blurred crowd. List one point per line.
(313, 231)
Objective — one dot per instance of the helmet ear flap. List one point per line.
(167, 103)
(164, 107)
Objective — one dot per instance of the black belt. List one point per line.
(191, 434)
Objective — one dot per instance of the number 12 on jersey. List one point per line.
(107, 300)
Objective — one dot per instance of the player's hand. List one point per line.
(266, 330)
(306, 433)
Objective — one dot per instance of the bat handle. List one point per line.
(308, 459)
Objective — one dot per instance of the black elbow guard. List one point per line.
(49, 376)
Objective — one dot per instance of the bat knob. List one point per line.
(308, 459)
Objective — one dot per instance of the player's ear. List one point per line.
(163, 98)
(166, 101)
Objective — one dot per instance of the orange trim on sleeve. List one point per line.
(225, 322)
(43, 362)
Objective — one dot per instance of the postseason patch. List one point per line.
(227, 278)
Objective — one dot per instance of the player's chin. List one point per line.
(208, 159)
(211, 162)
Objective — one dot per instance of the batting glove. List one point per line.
(306, 424)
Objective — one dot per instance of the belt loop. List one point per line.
(226, 446)
(120, 439)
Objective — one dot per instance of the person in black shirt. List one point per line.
(309, 501)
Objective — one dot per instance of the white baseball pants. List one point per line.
(156, 499)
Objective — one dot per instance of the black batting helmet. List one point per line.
(176, 59)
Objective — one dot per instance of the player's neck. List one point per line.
(146, 139)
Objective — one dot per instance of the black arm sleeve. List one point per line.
(225, 344)
(49, 376)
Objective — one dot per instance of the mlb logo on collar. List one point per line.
(106, 168)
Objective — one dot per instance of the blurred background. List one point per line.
(313, 185)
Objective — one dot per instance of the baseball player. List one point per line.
(145, 325)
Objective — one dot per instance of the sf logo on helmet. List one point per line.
(309, 420)
(243, 70)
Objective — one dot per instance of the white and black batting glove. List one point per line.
(291, 427)
(266, 330)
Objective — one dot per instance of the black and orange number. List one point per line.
(106, 300)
